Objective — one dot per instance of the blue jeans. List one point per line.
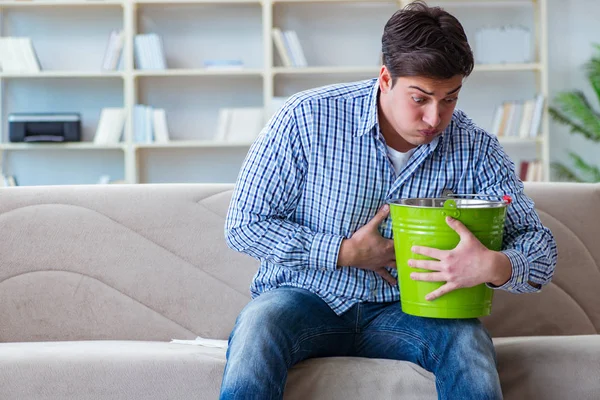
(284, 326)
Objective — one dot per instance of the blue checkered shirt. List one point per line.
(319, 171)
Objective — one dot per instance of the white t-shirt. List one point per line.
(399, 159)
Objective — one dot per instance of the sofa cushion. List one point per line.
(532, 367)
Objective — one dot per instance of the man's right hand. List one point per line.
(367, 249)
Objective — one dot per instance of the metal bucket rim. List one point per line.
(460, 203)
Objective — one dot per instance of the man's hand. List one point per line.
(367, 249)
(467, 265)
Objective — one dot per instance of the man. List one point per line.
(310, 205)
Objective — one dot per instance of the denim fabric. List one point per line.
(286, 325)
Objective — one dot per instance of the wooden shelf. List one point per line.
(507, 67)
(199, 72)
(375, 69)
(325, 70)
(183, 144)
(486, 3)
(70, 3)
(336, 1)
(518, 140)
(60, 146)
(194, 96)
(62, 74)
(178, 2)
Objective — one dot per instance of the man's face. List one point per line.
(416, 109)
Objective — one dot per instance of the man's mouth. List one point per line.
(428, 132)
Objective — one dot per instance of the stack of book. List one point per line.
(229, 64)
(531, 171)
(7, 180)
(149, 52)
(289, 48)
(149, 124)
(17, 55)
(518, 119)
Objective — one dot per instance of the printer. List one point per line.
(44, 127)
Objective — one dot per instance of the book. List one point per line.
(160, 127)
(223, 64)
(114, 49)
(17, 55)
(281, 47)
(110, 126)
(239, 125)
(149, 52)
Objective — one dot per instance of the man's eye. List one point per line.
(418, 100)
(451, 100)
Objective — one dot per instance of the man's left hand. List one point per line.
(469, 264)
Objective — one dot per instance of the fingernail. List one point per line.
(385, 207)
(412, 276)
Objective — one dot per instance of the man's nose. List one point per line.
(432, 115)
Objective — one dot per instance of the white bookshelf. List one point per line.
(194, 30)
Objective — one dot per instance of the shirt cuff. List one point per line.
(519, 279)
(324, 252)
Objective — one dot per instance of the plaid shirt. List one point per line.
(319, 171)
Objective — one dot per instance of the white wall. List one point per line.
(572, 30)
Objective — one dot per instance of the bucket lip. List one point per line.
(460, 203)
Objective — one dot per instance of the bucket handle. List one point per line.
(505, 199)
(450, 209)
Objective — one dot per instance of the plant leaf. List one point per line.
(575, 127)
(591, 173)
(574, 106)
(593, 71)
(563, 173)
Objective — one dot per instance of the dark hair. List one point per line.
(425, 41)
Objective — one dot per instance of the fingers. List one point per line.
(428, 276)
(384, 273)
(458, 227)
(425, 264)
(448, 287)
(429, 252)
(381, 215)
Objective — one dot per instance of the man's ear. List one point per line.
(385, 80)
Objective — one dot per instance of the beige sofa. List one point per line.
(97, 280)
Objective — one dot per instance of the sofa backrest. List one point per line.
(149, 262)
(570, 304)
(142, 262)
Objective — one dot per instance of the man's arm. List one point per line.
(529, 246)
(266, 195)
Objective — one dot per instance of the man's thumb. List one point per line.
(381, 215)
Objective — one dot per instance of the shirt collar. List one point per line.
(369, 118)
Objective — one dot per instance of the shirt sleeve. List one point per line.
(528, 244)
(260, 217)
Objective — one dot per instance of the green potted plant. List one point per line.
(573, 110)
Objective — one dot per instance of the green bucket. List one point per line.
(422, 222)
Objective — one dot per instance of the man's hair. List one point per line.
(425, 41)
